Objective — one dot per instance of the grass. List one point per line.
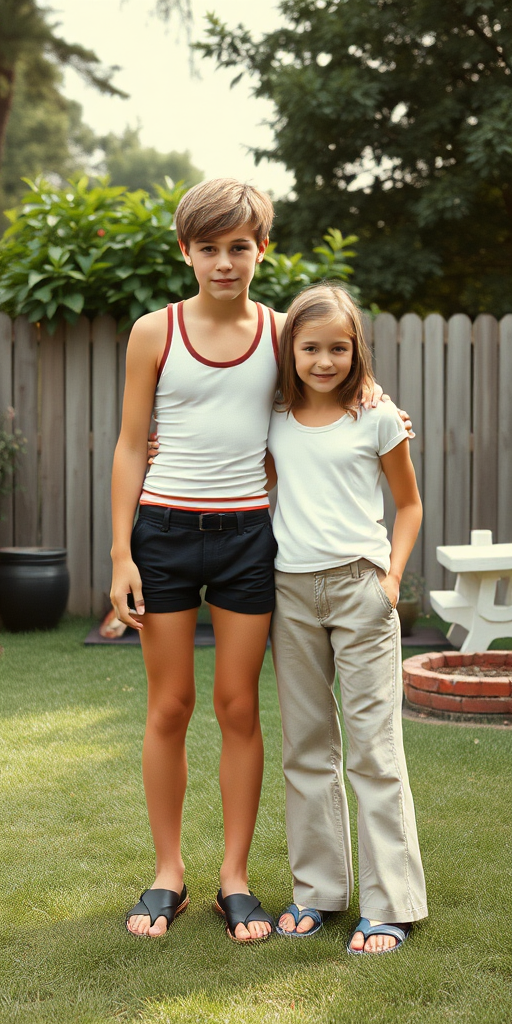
(76, 852)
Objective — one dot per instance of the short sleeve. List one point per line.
(391, 430)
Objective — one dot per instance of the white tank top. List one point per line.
(212, 423)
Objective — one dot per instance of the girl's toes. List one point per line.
(305, 925)
(358, 941)
(242, 933)
(286, 923)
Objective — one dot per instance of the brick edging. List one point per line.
(459, 693)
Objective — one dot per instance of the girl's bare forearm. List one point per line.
(405, 531)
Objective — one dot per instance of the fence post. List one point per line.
(53, 500)
(78, 465)
(485, 424)
(457, 397)
(504, 444)
(410, 397)
(26, 510)
(434, 457)
(104, 425)
(6, 399)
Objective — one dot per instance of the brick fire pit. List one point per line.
(457, 694)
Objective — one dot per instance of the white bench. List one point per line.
(472, 604)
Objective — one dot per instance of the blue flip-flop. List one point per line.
(364, 926)
(298, 915)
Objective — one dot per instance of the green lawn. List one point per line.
(76, 853)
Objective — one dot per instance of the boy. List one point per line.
(209, 368)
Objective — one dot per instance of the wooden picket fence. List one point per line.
(453, 377)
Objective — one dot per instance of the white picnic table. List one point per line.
(472, 604)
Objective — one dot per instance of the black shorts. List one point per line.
(177, 553)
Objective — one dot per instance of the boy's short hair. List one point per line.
(220, 205)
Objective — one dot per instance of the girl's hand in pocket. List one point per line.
(390, 586)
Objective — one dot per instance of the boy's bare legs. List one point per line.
(240, 647)
(168, 647)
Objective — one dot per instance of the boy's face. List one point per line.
(224, 264)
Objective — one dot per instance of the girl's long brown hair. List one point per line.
(319, 304)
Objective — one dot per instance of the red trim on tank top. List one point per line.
(183, 497)
(200, 508)
(167, 343)
(210, 362)
(273, 333)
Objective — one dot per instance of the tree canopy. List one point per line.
(43, 132)
(134, 166)
(28, 37)
(45, 135)
(396, 120)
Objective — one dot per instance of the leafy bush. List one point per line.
(95, 249)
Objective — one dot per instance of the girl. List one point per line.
(337, 584)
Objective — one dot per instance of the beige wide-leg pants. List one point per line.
(342, 619)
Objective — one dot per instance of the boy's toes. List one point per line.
(258, 929)
(242, 933)
(138, 924)
(159, 927)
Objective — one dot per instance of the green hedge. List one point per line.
(91, 248)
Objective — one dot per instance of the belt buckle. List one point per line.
(210, 529)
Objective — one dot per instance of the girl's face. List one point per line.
(323, 357)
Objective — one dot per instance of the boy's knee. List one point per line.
(238, 714)
(171, 716)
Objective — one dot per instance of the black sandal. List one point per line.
(159, 903)
(239, 908)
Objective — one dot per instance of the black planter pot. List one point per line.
(34, 587)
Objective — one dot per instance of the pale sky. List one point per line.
(175, 110)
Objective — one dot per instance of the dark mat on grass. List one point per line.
(421, 636)
(204, 637)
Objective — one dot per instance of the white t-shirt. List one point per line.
(329, 495)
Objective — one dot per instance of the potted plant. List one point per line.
(34, 581)
(412, 587)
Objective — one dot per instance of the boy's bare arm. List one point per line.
(399, 472)
(145, 348)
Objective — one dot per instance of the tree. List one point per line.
(27, 36)
(45, 135)
(396, 119)
(135, 166)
